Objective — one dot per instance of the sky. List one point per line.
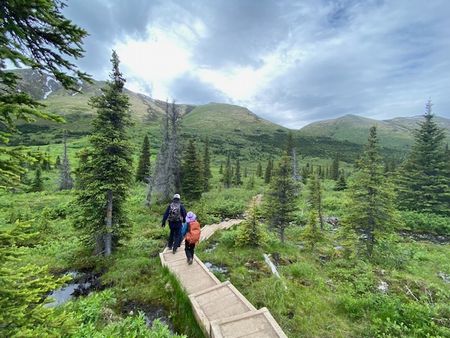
(290, 62)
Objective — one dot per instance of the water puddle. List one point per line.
(215, 268)
(80, 285)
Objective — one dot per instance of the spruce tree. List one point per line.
(250, 232)
(425, 176)
(102, 214)
(245, 172)
(143, 169)
(341, 184)
(192, 182)
(311, 234)
(335, 168)
(315, 197)
(251, 182)
(65, 179)
(237, 179)
(33, 34)
(57, 161)
(282, 197)
(37, 184)
(268, 172)
(227, 174)
(370, 213)
(259, 172)
(221, 168)
(206, 166)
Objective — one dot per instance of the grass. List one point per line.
(320, 292)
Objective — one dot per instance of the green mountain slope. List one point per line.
(236, 130)
(75, 108)
(395, 133)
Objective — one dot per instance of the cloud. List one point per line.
(189, 88)
(290, 62)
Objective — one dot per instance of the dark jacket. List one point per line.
(166, 215)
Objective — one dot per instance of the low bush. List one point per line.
(426, 222)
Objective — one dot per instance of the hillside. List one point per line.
(394, 133)
(230, 128)
(75, 108)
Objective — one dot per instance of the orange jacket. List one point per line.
(193, 234)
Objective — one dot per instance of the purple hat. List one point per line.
(190, 217)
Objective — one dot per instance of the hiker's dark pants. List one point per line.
(189, 249)
(175, 234)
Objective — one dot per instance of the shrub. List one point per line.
(426, 222)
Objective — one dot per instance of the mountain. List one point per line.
(46, 89)
(230, 129)
(75, 108)
(396, 133)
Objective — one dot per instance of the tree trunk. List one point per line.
(108, 235)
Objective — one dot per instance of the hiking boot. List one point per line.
(169, 247)
(190, 261)
(174, 250)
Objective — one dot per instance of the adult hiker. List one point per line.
(192, 236)
(176, 215)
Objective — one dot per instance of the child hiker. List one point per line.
(192, 235)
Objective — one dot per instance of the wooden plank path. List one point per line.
(221, 310)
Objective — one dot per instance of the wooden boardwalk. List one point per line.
(221, 310)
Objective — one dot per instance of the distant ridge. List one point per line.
(394, 133)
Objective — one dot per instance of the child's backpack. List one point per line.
(174, 212)
(193, 235)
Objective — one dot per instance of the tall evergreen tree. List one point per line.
(237, 179)
(335, 168)
(143, 169)
(245, 172)
(34, 34)
(311, 233)
(192, 181)
(268, 172)
(206, 166)
(282, 198)
(65, 179)
(37, 184)
(221, 168)
(425, 176)
(227, 178)
(259, 172)
(315, 197)
(370, 213)
(102, 213)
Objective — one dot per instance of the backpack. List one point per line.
(184, 229)
(174, 212)
(193, 235)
